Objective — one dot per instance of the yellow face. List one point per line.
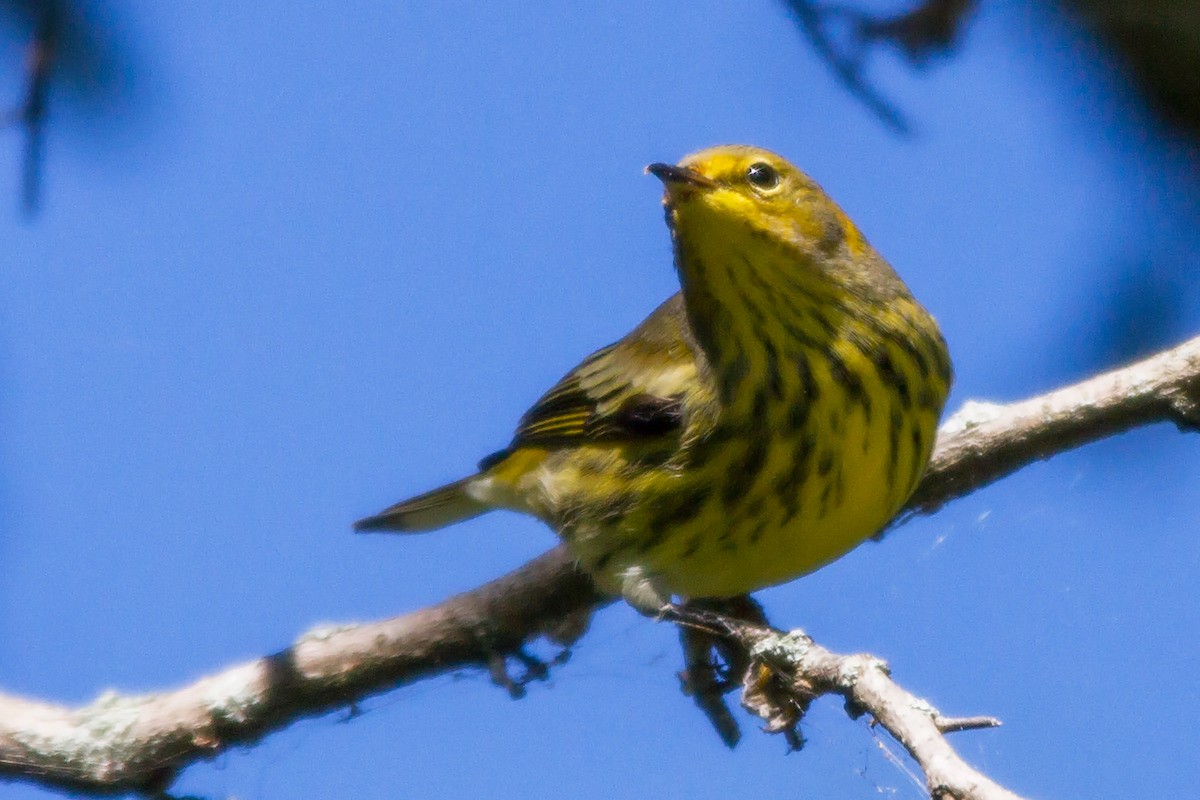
(757, 202)
(746, 177)
(755, 187)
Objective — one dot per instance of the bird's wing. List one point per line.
(632, 389)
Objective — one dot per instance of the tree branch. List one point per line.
(983, 442)
(124, 743)
(787, 671)
(138, 743)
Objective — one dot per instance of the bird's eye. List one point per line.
(762, 176)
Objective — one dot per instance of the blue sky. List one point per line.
(320, 256)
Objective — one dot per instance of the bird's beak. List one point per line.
(671, 174)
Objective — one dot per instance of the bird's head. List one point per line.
(756, 190)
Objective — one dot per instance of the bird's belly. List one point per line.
(759, 507)
(739, 556)
(776, 507)
(776, 530)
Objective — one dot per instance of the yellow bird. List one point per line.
(757, 425)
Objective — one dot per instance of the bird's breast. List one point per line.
(781, 481)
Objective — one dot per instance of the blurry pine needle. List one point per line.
(844, 36)
(30, 112)
(1156, 44)
(74, 47)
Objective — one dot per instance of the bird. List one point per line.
(764, 421)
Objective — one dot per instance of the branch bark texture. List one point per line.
(805, 670)
(121, 743)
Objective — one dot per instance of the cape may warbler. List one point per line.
(761, 423)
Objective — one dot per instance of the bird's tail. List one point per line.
(436, 509)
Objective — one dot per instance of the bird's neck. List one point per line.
(749, 326)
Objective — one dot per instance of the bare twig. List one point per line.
(122, 743)
(959, 724)
(787, 671)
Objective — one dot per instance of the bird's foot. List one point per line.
(646, 593)
(714, 662)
